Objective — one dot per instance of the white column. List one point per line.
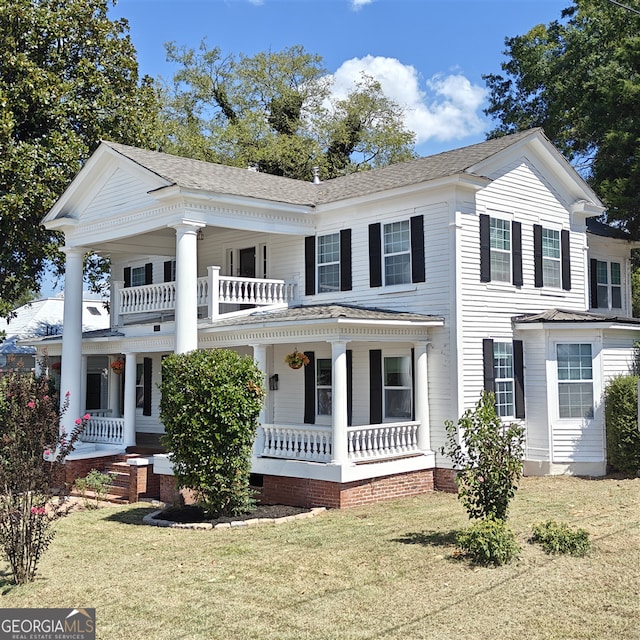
(422, 395)
(186, 286)
(70, 380)
(260, 358)
(214, 291)
(339, 419)
(130, 399)
(114, 390)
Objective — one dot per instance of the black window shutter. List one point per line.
(168, 270)
(349, 387)
(593, 272)
(146, 387)
(148, 273)
(485, 249)
(489, 374)
(375, 386)
(309, 265)
(417, 249)
(516, 253)
(537, 255)
(566, 260)
(375, 255)
(345, 260)
(518, 374)
(127, 276)
(310, 389)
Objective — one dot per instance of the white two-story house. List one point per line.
(410, 289)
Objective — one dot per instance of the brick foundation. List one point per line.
(143, 483)
(74, 469)
(445, 480)
(300, 492)
(169, 494)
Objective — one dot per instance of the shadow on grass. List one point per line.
(6, 582)
(429, 538)
(131, 516)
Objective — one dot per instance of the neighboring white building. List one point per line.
(410, 288)
(40, 319)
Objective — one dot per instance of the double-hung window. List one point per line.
(397, 388)
(551, 258)
(500, 243)
(575, 380)
(606, 285)
(504, 378)
(328, 263)
(137, 276)
(397, 253)
(323, 386)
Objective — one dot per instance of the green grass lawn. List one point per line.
(385, 571)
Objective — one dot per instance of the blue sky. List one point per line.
(429, 55)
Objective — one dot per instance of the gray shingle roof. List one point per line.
(563, 315)
(326, 312)
(216, 178)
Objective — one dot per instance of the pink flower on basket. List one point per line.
(86, 416)
(31, 404)
(78, 421)
(38, 511)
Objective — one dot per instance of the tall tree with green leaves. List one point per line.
(579, 78)
(275, 111)
(68, 78)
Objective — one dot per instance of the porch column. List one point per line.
(339, 420)
(114, 390)
(422, 394)
(71, 372)
(129, 399)
(260, 358)
(186, 286)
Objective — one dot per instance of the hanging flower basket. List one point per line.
(296, 360)
(117, 366)
(56, 366)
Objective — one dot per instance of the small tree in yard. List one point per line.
(31, 454)
(209, 406)
(488, 457)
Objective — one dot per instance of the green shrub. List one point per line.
(557, 537)
(621, 417)
(209, 406)
(95, 481)
(488, 458)
(488, 542)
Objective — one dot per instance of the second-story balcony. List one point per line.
(217, 294)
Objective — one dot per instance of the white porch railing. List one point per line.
(368, 442)
(104, 430)
(297, 443)
(382, 441)
(230, 290)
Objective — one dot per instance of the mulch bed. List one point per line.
(194, 514)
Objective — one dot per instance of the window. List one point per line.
(606, 285)
(139, 386)
(323, 386)
(504, 378)
(138, 276)
(329, 263)
(500, 243)
(575, 380)
(397, 387)
(551, 265)
(397, 253)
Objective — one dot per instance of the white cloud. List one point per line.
(442, 108)
(357, 4)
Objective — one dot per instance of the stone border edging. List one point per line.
(151, 520)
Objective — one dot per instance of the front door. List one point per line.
(247, 262)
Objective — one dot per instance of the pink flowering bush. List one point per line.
(32, 450)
